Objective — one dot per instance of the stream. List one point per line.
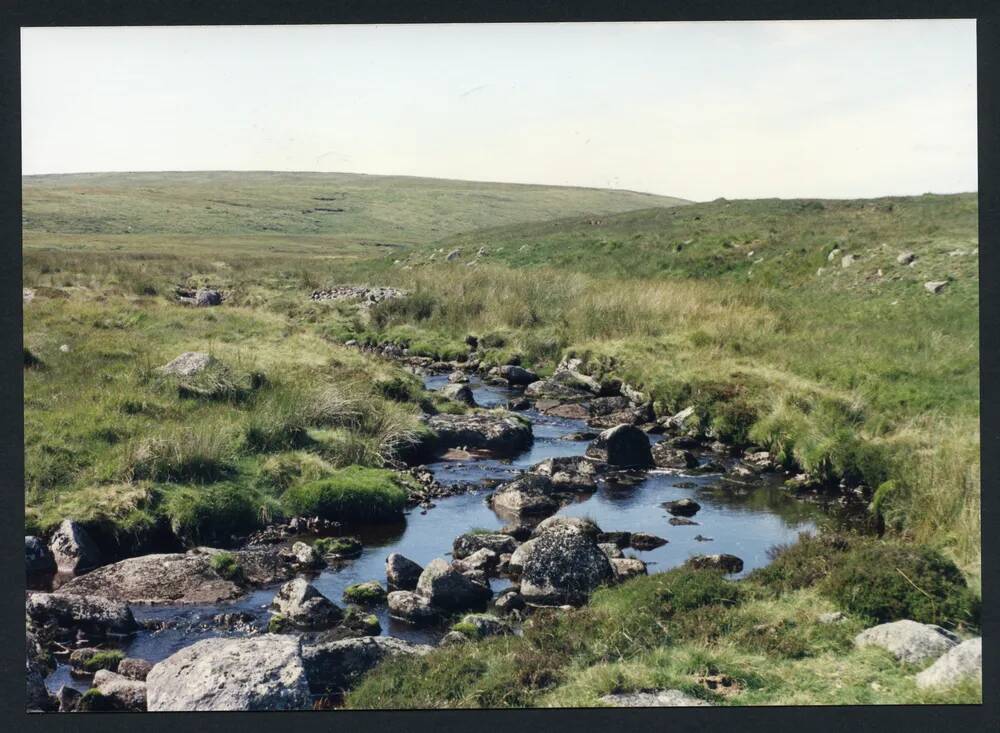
(746, 524)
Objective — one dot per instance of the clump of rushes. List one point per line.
(365, 594)
(108, 659)
(338, 546)
(226, 565)
(354, 493)
(212, 514)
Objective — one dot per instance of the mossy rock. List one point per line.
(365, 594)
(342, 547)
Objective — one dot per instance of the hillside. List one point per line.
(313, 208)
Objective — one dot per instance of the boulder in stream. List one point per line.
(299, 604)
(561, 566)
(500, 433)
(401, 573)
(625, 446)
(445, 587)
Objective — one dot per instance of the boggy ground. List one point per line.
(846, 369)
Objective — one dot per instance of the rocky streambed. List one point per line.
(710, 503)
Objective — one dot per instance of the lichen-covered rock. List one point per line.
(134, 669)
(573, 474)
(624, 446)
(725, 563)
(627, 567)
(908, 641)
(481, 563)
(303, 555)
(611, 550)
(401, 573)
(654, 699)
(180, 577)
(158, 578)
(509, 601)
(302, 606)
(38, 560)
(527, 494)
(337, 665)
(503, 434)
(408, 606)
(446, 588)
(955, 665)
(188, 364)
(91, 614)
(579, 524)
(122, 693)
(460, 393)
(471, 542)
(667, 456)
(73, 549)
(255, 673)
(562, 566)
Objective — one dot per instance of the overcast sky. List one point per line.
(697, 110)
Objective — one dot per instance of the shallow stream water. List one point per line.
(745, 524)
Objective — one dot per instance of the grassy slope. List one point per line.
(118, 244)
(707, 323)
(738, 305)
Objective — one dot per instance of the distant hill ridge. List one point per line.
(347, 206)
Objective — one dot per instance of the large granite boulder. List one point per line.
(560, 566)
(401, 573)
(335, 666)
(445, 587)
(908, 641)
(180, 577)
(500, 433)
(119, 692)
(410, 607)
(91, 614)
(73, 549)
(255, 673)
(299, 604)
(955, 665)
(623, 445)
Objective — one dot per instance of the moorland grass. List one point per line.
(349, 494)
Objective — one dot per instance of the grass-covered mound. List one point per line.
(355, 494)
(877, 581)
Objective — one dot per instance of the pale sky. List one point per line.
(697, 110)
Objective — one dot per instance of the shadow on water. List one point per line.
(742, 520)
